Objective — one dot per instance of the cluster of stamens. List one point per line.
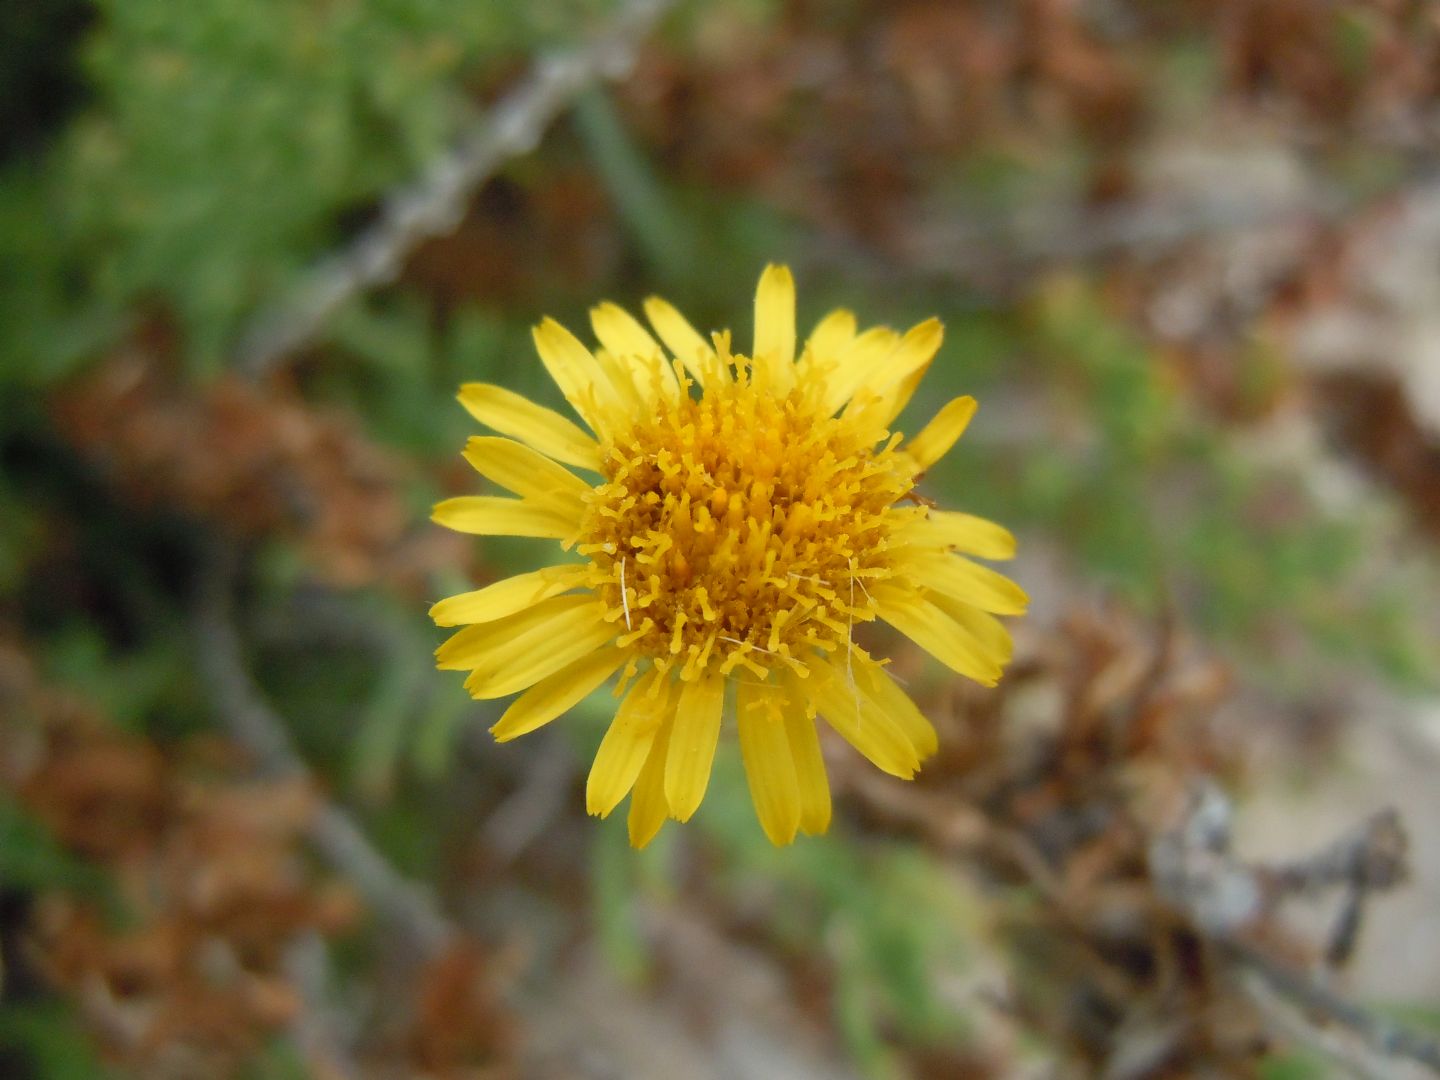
(742, 527)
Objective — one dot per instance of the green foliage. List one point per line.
(410, 716)
(226, 145)
(664, 236)
(892, 923)
(280, 1059)
(1355, 42)
(137, 688)
(1163, 506)
(1294, 1065)
(30, 858)
(50, 318)
(614, 875)
(19, 539)
(50, 1039)
(1424, 1015)
(406, 369)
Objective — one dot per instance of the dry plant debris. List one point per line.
(180, 972)
(255, 461)
(1084, 794)
(186, 956)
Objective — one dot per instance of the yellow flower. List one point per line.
(740, 517)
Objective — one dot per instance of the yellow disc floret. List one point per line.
(743, 526)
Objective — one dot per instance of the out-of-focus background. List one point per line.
(1188, 258)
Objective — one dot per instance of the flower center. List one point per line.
(742, 527)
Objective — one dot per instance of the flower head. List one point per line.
(742, 517)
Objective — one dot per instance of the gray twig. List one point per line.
(1370, 857)
(1379, 1035)
(317, 1027)
(1195, 870)
(436, 202)
(526, 812)
(250, 720)
(995, 251)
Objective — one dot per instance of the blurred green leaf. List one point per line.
(31, 858)
(51, 1038)
(1294, 1065)
(656, 227)
(613, 880)
(227, 146)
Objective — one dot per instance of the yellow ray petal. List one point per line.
(648, 808)
(775, 327)
(501, 641)
(985, 628)
(963, 532)
(519, 650)
(811, 781)
(858, 721)
(508, 595)
(682, 339)
(622, 377)
(526, 472)
(769, 766)
(584, 382)
(887, 696)
(957, 576)
(831, 337)
(889, 404)
(692, 744)
(491, 515)
(623, 336)
(937, 437)
(935, 632)
(557, 693)
(517, 416)
(626, 744)
(558, 652)
(852, 364)
(908, 360)
(621, 332)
